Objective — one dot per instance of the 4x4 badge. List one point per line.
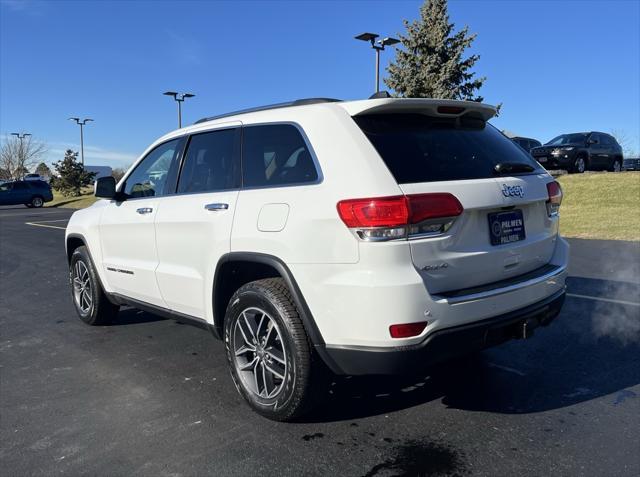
(512, 191)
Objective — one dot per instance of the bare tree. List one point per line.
(625, 142)
(118, 173)
(20, 155)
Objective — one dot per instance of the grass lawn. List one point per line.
(601, 206)
(85, 200)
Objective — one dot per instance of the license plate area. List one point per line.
(506, 227)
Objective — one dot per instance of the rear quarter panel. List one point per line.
(312, 231)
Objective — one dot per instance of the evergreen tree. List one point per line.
(71, 175)
(43, 170)
(431, 65)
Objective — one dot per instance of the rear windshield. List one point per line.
(419, 148)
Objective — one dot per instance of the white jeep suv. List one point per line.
(362, 237)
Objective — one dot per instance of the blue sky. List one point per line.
(556, 66)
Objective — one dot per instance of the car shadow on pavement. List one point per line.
(133, 316)
(591, 350)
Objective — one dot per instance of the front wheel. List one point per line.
(616, 166)
(268, 351)
(91, 303)
(579, 165)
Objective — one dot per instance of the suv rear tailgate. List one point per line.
(464, 257)
(497, 183)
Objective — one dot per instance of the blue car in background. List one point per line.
(30, 193)
(631, 164)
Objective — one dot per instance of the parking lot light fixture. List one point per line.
(81, 124)
(179, 98)
(378, 46)
(21, 137)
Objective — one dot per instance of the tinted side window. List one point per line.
(535, 143)
(37, 184)
(211, 162)
(20, 186)
(149, 177)
(275, 155)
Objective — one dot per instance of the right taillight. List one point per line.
(399, 217)
(555, 198)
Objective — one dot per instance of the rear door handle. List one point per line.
(216, 207)
(144, 210)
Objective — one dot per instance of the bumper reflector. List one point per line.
(407, 330)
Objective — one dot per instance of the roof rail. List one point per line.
(297, 102)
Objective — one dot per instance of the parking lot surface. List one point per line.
(149, 396)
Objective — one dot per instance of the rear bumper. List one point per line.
(444, 344)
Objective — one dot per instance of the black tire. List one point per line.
(295, 395)
(618, 163)
(580, 165)
(100, 311)
(37, 201)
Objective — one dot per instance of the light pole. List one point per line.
(179, 97)
(21, 137)
(81, 124)
(378, 46)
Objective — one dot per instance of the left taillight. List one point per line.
(397, 217)
(554, 200)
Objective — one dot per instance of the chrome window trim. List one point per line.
(187, 137)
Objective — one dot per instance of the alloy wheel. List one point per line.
(260, 355)
(580, 164)
(82, 292)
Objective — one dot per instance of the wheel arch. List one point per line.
(235, 269)
(75, 240)
(72, 242)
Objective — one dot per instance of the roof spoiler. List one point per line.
(432, 107)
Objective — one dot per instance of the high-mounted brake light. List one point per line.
(450, 109)
(387, 218)
(555, 198)
(407, 330)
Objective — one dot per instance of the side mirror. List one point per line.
(105, 187)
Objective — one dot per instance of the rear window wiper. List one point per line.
(512, 168)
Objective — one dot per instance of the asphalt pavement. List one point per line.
(149, 396)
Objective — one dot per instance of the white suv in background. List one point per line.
(366, 237)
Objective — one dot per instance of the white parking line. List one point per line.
(606, 300)
(31, 213)
(45, 221)
(47, 226)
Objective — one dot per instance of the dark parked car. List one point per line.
(30, 193)
(579, 152)
(526, 143)
(631, 164)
